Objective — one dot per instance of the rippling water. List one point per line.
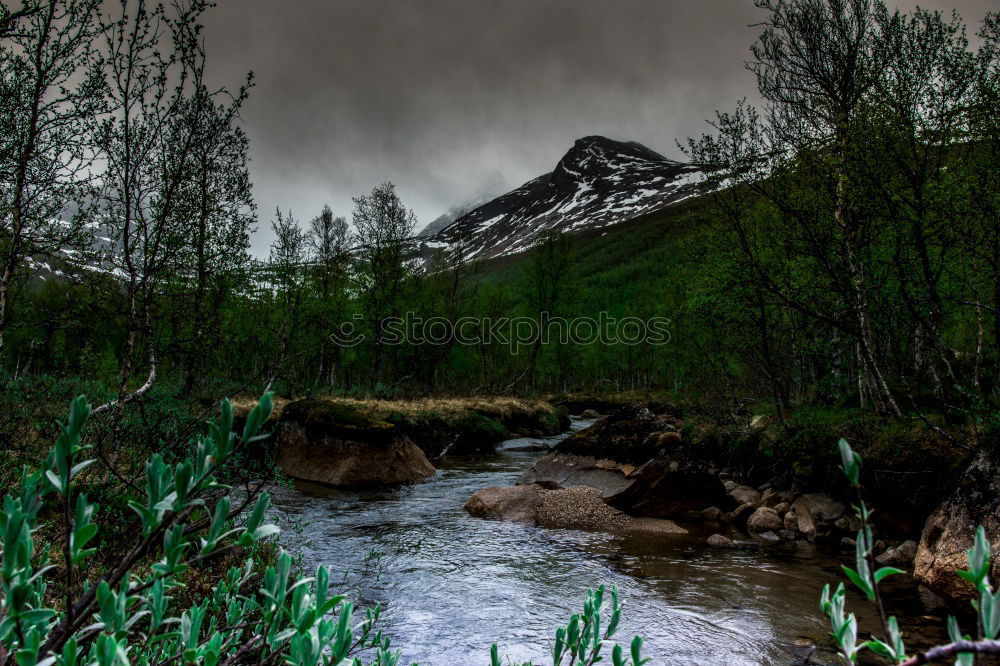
(450, 584)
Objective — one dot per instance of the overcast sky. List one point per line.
(447, 98)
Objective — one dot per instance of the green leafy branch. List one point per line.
(580, 642)
(121, 618)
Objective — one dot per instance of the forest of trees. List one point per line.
(857, 247)
(128, 211)
(847, 248)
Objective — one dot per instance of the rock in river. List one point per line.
(719, 541)
(816, 514)
(338, 446)
(764, 519)
(636, 469)
(517, 504)
(949, 532)
(578, 508)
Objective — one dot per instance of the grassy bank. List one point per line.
(460, 424)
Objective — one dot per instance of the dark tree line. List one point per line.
(124, 187)
(850, 249)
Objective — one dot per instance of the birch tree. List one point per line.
(50, 92)
(287, 267)
(383, 226)
(152, 142)
(329, 241)
(814, 63)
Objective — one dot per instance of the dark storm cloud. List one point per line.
(447, 97)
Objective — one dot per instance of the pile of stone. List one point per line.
(579, 507)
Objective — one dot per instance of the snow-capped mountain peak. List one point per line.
(599, 182)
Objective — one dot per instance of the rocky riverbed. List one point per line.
(450, 584)
(646, 474)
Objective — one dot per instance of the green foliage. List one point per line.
(851, 462)
(580, 642)
(845, 629)
(477, 427)
(125, 617)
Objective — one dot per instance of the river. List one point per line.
(450, 585)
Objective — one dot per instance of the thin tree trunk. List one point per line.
(980, 335)
(857, 287)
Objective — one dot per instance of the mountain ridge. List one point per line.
(598, 183)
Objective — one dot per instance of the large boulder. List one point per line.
(338, 446)
(638, 463)
(517, 504)
(950, 530)
(560, 470)
(578, 508)
(816, 514)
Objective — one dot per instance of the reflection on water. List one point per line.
(450, 584)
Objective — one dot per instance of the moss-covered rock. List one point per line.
(476, 426)
(462, 433)
(632, 435)
(339, 446)
(801, 453)
(327, 416)
(457, 425)
(525, 418)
